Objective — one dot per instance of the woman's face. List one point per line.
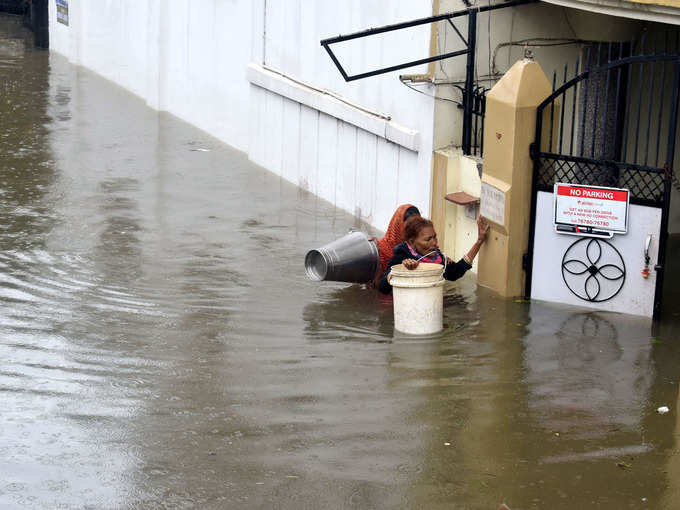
(425, 241)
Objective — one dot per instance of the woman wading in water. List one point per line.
(421, 246)
(394, 235)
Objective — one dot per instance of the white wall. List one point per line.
(358, 161)
(295, 27)
(188, 58)
(191, 59)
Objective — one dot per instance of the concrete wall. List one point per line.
(187, 58)
(457, 225)
(231, 67)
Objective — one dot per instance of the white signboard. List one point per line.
(590, 210)
(492, 204)
(62, 11)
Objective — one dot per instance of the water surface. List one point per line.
(161, 348)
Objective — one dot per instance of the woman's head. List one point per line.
(419, 233)
(411, 211)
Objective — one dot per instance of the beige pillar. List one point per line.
(509, 128)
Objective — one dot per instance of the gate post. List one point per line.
(509, 129)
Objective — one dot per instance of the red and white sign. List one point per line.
(591, 209)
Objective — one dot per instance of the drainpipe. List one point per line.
(469, 81)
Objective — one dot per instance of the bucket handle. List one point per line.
(435, 251)
(420, 258)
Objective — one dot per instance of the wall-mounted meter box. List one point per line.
(592, 211)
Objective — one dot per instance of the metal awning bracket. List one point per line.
(469, 91)
(326, 43)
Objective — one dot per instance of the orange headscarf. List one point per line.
(393, 236)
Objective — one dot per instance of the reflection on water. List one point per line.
(370, 317)
(160, 347)
(27, 170)
(580, 370)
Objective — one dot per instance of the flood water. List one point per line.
(161, 348)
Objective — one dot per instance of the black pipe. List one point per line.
(469, 82)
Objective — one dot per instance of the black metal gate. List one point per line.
(614, 123)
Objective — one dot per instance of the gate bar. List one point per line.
(585, 101)
(617, 100)
(665, 210)
(596, 102)
(606, 105)
(661, 95)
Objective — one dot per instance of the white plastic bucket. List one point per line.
(418, 298)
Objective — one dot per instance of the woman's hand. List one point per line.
(482, 232)
(410, 263)
(482, 229)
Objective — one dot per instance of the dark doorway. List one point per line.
(39, 23)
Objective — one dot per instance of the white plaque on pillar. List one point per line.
(492, 204)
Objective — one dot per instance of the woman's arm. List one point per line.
(455, 270)
(482, 232)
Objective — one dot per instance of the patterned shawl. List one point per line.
(393, 236)
(434, 258)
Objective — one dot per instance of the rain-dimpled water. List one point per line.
(161, 347)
